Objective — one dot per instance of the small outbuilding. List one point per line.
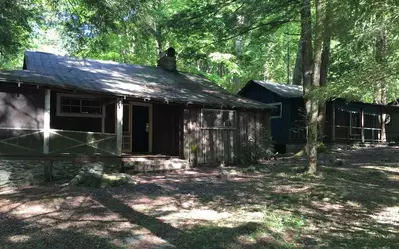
(69, 109)
(346, 122)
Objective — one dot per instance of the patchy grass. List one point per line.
(351, 204)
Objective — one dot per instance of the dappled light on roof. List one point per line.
(283, 90)
(124, 79)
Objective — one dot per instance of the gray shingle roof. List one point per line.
(124, 80)
(283, 90)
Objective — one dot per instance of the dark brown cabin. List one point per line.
(346, 122)
(68, 108)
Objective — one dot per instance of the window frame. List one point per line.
(281, 109)
(80, 98)
(234, 127)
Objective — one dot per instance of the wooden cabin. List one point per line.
(346, 122)
(68, 109)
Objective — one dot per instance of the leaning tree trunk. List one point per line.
(380, 88)
(325, 60)
(308, 84)
(158, 39)
(297, 78)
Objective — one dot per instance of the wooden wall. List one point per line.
(393, 127)
(21, 107)
(279, 126)
(203, 146)
(21, 120)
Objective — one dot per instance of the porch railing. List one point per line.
(15, 141)
(393, 137)
(354, 134)
(297, 135)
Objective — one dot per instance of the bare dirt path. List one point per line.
(352, 204)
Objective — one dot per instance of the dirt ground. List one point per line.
(353, 203)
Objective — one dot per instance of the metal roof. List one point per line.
(283, 90)
(118, 79)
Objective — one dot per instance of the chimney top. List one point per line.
(168, 61)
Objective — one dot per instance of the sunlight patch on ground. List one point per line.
(382, 168)
(27, 211)
(18, 238)
(388, 215)
(289, 189)
(198, 214)
(326, 206)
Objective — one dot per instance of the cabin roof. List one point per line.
(283, 90)
(294, 91)
(119, 79)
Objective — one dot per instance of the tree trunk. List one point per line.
(325, 61)
(380, 88)
(307, 70)
(297, 80)
(158, 38)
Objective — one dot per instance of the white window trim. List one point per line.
(218, 128)
(85, 115)
(281, 109)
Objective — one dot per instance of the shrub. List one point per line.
(252, 151)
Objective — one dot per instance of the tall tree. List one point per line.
(16, 21)
(312, 37)
(380, 87)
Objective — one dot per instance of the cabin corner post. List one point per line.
(362, 124)
(46, 122)
(47, 167)
(103, 111)
(333, 122)
(119, 125)
(181, 133)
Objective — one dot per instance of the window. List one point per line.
(218, 119)
(277, 111)
(354, 123)
(78, 106)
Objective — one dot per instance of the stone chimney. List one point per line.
(168, 61)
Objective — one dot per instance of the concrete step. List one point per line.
(151, 163)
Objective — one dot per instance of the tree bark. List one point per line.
(158, 38)
(325, 61)
(380, 87)
(308, 84)
(297, 78)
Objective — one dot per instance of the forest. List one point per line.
(57, 191)
(335, 49)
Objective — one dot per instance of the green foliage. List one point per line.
(16, 21)
(252, 151)
(229, 42)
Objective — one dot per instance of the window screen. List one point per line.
(218, 119)
(71, 106)
(277, 110)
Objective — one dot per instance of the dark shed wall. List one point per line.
(279, 126)
(21, 107)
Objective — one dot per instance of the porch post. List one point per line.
(103, 119)
(333, 122)
(46, 121)
(181, 133)
(362, 124)
(46, 135)
(119, 125)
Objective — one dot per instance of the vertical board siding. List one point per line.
(217, 146)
